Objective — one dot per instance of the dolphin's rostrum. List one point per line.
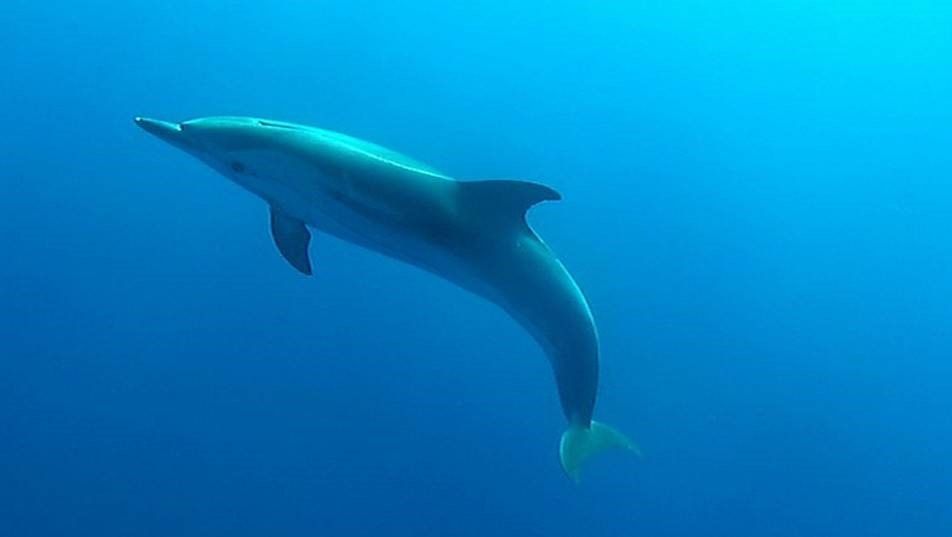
(472, 233)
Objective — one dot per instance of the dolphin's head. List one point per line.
(238, 147)
(228, 144)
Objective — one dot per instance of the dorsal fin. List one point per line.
(504, 201)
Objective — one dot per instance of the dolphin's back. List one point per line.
(350, 144)
(381, 153)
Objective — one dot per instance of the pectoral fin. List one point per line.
(292, 238)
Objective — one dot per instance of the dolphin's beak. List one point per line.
(170, 132)
(162, 129)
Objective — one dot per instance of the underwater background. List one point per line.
(758, 205)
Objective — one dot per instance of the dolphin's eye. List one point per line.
(237, 167)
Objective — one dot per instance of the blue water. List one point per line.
(758, 204)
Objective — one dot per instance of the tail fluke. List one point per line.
(580, 443)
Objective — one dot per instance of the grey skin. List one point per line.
(472, 233)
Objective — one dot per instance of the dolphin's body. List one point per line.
(472, 233)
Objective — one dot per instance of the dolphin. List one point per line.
(472, 233)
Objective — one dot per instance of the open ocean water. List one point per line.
(758, 206)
